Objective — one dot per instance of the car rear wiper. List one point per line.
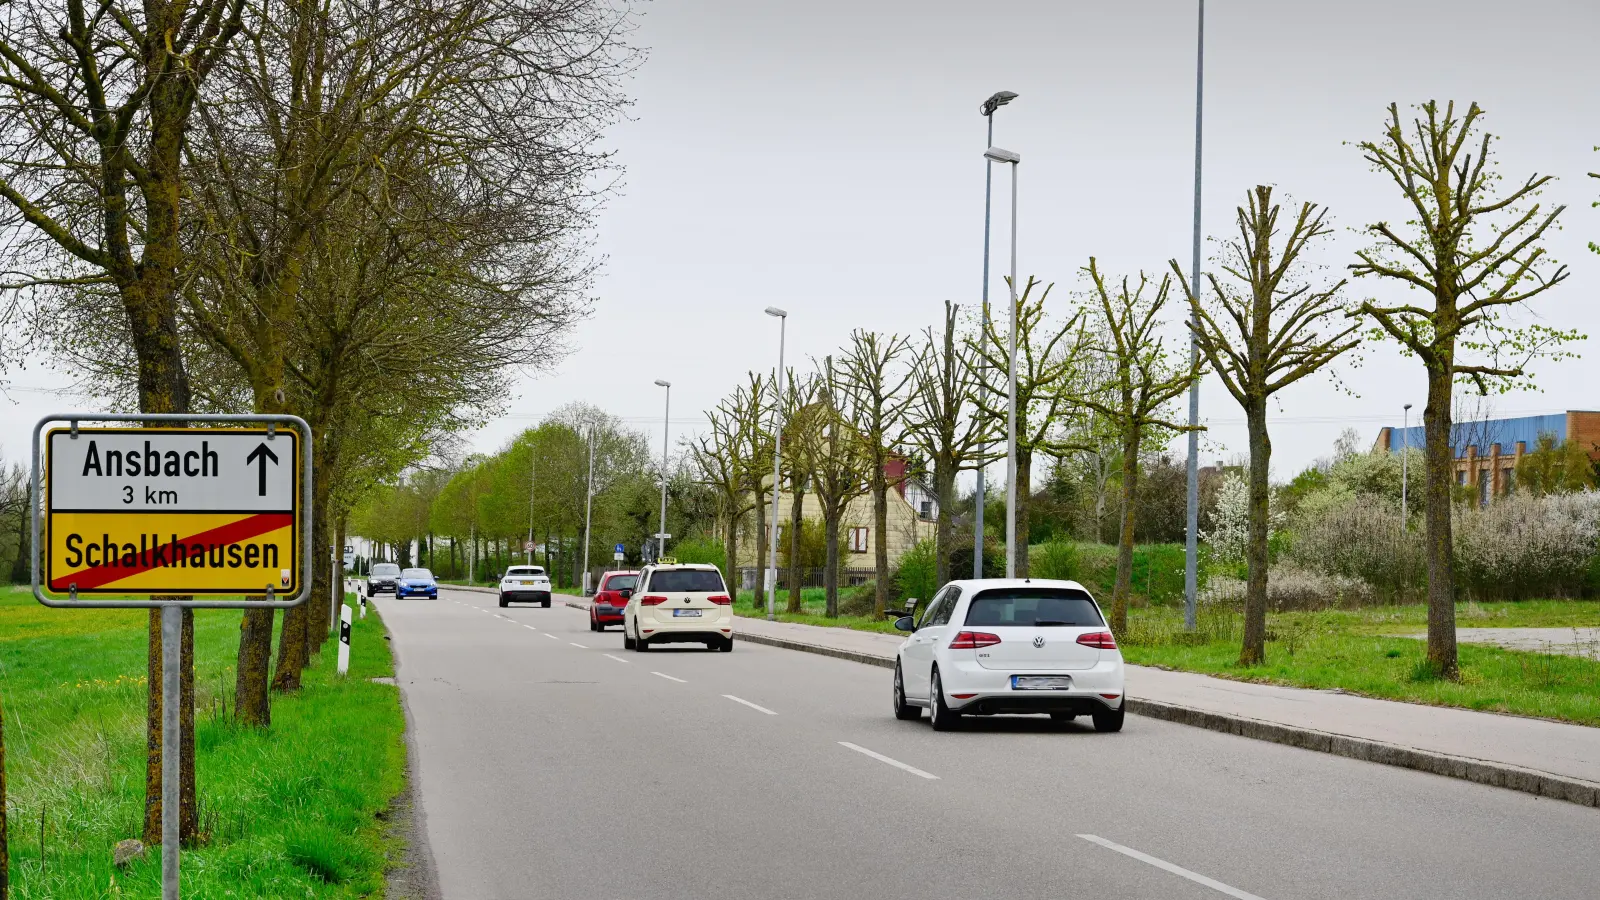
(1049, 623)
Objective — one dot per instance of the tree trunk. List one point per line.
(1024, 498)
(251, 704)
(188, 817)
(761, 553)
(796, 522)
(731, 548)
(944, 479)
(830, 577)
(1254, 651)
(1441, 562)
(880, 535)
(1130, 487)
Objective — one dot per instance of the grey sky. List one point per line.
(825, 157)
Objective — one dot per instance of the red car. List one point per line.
(606, 607)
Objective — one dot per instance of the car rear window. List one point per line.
(524, 570)
(687, 581)
(621, 583)
(386, 569)
(1033, 606)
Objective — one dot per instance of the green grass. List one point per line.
(292, 811)
(1351, 650)
(814, 602)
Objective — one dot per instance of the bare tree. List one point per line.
(943, 423)
(1261, 331)
(840, 467)
(1049, 358)
(878, 400)
(748, 408)
(1125, 325)
(1476, 255)
(716, 460)
(797, 418)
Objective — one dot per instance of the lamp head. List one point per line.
(999, 99)
(1408, 406)
(995, 154)
(661, 383)
(777, 313)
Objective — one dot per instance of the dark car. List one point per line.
(416, 583)
(610, 599)
(383, 577)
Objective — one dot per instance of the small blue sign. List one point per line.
(620, 549)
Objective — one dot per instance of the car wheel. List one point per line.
(627, 642)
(547, 604)
(727, 645)
(502, 601)
(640, 644)
(1109, 720)
(944, 718)
(593, 625)
(903, 711)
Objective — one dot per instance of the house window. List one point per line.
(925, 509)
(1509, 479)
(1483, 487)
(858, 540)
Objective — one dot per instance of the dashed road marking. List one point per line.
(1177, 870)
(885, 759)
(578, 645)
(617, 658)
(551, 636)
(669, 677)
(753, 706)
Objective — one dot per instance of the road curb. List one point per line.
(1528, 781)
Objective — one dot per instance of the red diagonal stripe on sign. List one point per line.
(231, 533)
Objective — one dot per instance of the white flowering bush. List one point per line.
(1523, 546)
(1290, 588)
(1358, 536)
(1230, 531)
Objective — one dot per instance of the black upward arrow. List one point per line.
(260, 455)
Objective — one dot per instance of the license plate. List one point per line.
(1041, 682)
(686, 613)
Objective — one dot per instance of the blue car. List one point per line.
(416, 583)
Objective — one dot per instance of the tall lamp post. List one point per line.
(588, 513)
(1405, 444)
(777, 461)
(1191, 540)
(666, 426)
(997, 100)
(995, 154)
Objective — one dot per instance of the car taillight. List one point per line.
(972, 640)
(652, 600)
(721, 599)
(1100, 640)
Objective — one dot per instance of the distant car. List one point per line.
(383, 577)
(679, 604)
(522, 584)
(416, 583)
(989, 646)
(611, 598)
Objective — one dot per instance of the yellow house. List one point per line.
(913, 512)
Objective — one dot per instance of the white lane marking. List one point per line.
(1179, 871)
(749, 704)
(669, 677)
(552, 637)
(529, 627)
(617, 658)
(578, 645)
(893, 762)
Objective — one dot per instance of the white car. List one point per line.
(525, 583)
(1005, 645)
(678, 604)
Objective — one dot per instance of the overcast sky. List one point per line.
(825, 157)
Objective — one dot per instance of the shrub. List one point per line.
(1291, 589)
(1058, 558)
(859, 600)
(1524, 546)
(1230, 521)
(916, 576)
(1358, 536)
(701, 550)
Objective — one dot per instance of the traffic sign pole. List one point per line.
(171, 749)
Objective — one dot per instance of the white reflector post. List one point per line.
(344, 640)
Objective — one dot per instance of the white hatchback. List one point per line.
(1003, 645)
(678, 604)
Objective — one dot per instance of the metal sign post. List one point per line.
(158, 506)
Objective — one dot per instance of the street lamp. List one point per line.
(997, 155)
(996, 101)
(777, 458)
(1405, 443)
(588, 513)
(666, 425)
(1191, 539)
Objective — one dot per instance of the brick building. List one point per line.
(1487, 451)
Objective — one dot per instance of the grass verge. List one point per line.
(815, 607)
(292, 811)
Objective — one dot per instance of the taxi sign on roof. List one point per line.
(172, 510)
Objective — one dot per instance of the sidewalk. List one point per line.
(1550, 759)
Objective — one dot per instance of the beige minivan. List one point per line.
(679, 604)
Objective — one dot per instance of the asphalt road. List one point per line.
(552, 764)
